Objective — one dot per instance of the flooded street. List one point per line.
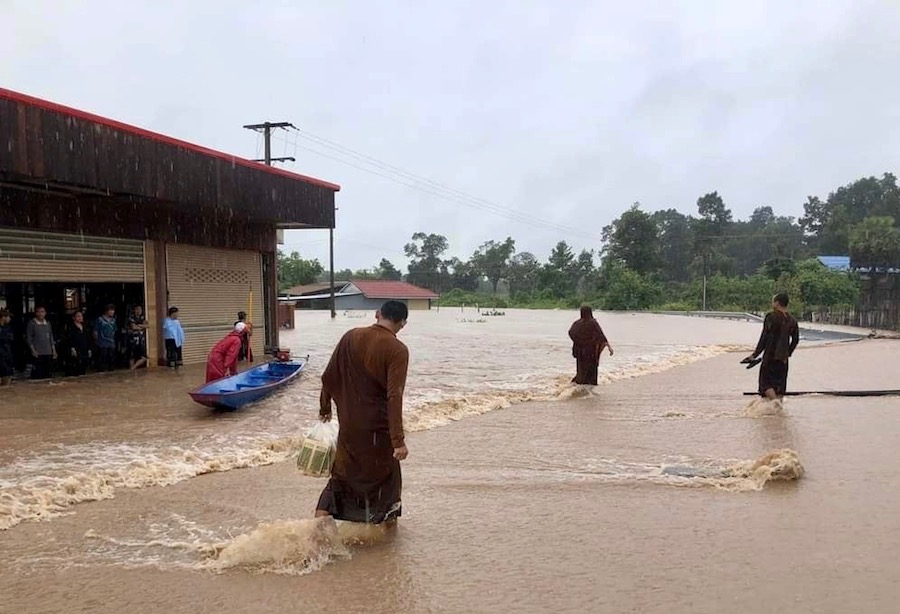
(662, 490)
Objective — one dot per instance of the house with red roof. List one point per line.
(363, 294)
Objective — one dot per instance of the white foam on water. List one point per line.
(731, 475)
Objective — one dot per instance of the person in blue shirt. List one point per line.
(105, 338)
(173, 335)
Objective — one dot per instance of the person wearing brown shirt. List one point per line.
(365, 378)
(777, 342)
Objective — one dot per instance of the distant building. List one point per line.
(842, 263)
(835, 263)
(359, 294)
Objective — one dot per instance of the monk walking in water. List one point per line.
(778, 340)
(588, 342)
(223, 358)
(365, 378)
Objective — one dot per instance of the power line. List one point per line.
(357, 160)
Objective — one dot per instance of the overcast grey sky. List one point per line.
(566, 111)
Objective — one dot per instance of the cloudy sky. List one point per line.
(548, 118)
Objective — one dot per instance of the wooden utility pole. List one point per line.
(272, 303)
(266, 129)
(331, 266)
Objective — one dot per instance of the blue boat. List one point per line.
(248, 386)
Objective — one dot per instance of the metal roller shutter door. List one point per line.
(28, 255)
(210, 286)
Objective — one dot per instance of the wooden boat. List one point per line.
(248, 386)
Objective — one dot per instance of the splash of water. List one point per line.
(284, 547)
(761, 408)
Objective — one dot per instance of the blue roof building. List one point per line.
(835, 263)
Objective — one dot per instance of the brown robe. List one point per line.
(588, 341)
(777, 342)
(365, 377)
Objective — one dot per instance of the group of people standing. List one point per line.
(78, 346)
(103, 343)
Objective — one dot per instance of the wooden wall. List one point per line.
(48, 144)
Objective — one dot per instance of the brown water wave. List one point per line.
(302, 546)
(39, 486)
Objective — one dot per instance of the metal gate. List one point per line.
(210, 286)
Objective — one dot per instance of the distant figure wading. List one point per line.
(588, 342)
(777, 342)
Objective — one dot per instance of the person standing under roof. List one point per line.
(137, 338)
(105, 338)
(78, 345)
(173, 337)
(7, 364)
(41, 344)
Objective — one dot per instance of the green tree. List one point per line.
(463, 275)
(586, 274)
(820, 288)
(828, 223)
(633, 239)
(296, 271)
(676, 244)
(557, 276)
(426, 265)
(523, 275)
(709, 231)
(492, 260)
(629, 290)
(764, 237)
(387, 270)
(875, 244)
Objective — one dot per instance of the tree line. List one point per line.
(659, 259)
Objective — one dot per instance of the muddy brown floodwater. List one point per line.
(662, 490)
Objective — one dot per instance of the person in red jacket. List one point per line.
(223, 358)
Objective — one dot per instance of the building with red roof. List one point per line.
(365, 294)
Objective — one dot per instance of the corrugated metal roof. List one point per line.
(837, 263)
(314, 288)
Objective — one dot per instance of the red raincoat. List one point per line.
(223, 358)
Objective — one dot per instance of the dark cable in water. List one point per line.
(839, 393)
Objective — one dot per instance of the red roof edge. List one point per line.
(156, 136)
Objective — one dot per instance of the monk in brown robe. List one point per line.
(588, 342)
(777, 342)
(365, 378)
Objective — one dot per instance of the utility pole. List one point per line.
(331, 266)
(266, 129)
(271, 309)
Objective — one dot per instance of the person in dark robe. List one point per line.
(7, 362)
(777, 342)
(78, 344)
(588, 342)
(365, 378)
(223, 358)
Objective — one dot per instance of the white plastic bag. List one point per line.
(318, 449)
